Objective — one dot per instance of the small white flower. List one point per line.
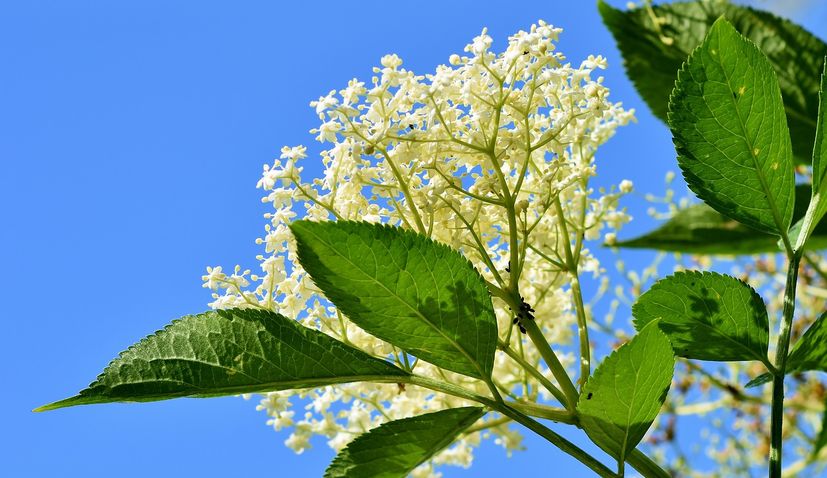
(391, 61)
(213, 278)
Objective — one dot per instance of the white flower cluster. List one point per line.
(488, 148)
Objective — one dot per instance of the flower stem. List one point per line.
(577, 295)
(777, 417)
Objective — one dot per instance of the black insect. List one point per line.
(526, 312)
(589, 396)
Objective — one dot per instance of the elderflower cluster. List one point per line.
(490, 152)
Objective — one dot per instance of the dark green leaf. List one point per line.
(395, 448)
(227, 352)
(707, 316)
(810, 351)
(759, 380)
(404, 288)
(623, 397)
(653, 54)
(729, 129)
(699, 229)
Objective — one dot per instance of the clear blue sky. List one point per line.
(131, 138)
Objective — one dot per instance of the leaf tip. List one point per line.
(66, 402)
(720, 23)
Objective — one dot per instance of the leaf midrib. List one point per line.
(83, 399)
(751, 149)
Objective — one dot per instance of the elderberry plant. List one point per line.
(433, 283)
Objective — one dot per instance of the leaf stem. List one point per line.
(777, 414)
(544, 411)
(519, 417)
(645, 466)
(560, 442)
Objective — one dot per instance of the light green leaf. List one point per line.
(818, 203)
(810, 351)
(729, 129)
(621, 400)
(404, 288)
(707, 316)
(395, 448)
(653, 53)
(699, 229)
(228, 352)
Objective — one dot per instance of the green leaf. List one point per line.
(623, 397)
(707, 316)
(404, 288)
(227, 352)
(818, 203)
(652, 54)
(699, 229)
(730, 132)
(759, 380)
(395, 448)
(810, 351)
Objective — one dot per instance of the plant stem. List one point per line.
(560, 442)
(528, 422)
(577, 295)
(645, 466)
(544, 411)
(557, 369)
(777, 417)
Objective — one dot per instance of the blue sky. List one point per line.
(131, 138)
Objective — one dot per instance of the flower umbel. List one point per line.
(491, 154)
